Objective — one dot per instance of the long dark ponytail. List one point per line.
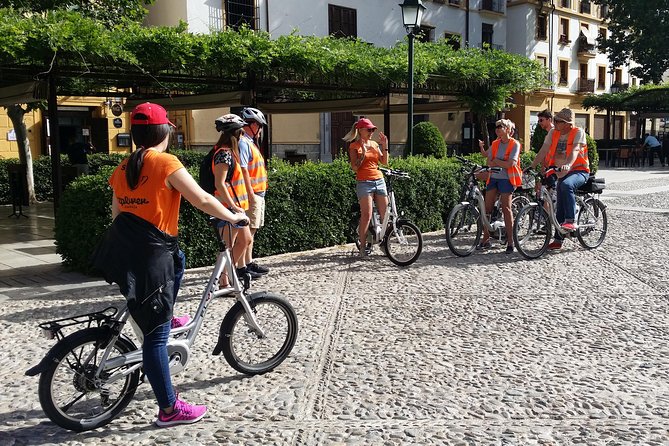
(145, 136)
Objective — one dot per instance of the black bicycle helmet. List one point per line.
(229, 123)
(253, 114)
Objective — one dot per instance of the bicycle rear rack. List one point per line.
(53, 329)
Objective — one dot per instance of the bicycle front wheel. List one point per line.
(592, 223)
(245, 350)
(404, 243)
(71, 394)
(532, 231)
(463, 229)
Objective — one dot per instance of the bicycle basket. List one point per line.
(528, 181)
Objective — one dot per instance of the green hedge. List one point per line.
(308, 206)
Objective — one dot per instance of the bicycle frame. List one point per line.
(182, 338)
(545, 196)
(391, 214)
(472, 193)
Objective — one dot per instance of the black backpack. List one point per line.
(207, 181)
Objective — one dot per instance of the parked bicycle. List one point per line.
(466, 220)
(535, 223)
(399, 238)
(91, 375)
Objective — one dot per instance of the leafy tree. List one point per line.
(109, 12)
(637, 31)
(537, 139)
(105, 12)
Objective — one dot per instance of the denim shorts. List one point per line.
(503, 185)
(369, 187)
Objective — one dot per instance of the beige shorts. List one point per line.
(256, 212)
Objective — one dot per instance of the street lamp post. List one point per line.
(412, 14)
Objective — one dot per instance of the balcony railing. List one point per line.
(603, 11)
(491, 46)
(585, 46)
(492, 5)
(586, 85)
(586, 7)
(563, 40)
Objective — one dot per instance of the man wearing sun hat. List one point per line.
(565, 147)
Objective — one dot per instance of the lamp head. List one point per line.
(412, 14)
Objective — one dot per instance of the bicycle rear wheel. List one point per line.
(463, 229)
(532, 231)
(592, 223)
(404, 243)
(244, 350)
(517, 203)
(69, 392)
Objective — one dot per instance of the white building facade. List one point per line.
(561, 35)
(318, 136)
(558, 33)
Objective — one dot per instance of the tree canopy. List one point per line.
(108, 12)
(89, 53)
(637, 31)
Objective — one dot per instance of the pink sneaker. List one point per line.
(180, 321)
(183, 413)
(568, 226)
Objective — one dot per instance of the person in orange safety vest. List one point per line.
(565, 147)
(504, 152)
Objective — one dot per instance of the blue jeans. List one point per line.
(156, 364)
(154, 350)
(566, 197)
(179, 267)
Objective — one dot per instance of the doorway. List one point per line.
(340, 125)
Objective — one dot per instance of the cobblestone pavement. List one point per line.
(490, 349)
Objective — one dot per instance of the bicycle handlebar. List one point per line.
(394, 173)
(476, 167)
(213, 221)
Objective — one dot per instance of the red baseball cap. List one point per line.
(155, 114)
(364, 123)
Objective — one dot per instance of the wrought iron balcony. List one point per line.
(491, 46)
(563, 40)
(586, 85)
(492, 5)
(586, 46)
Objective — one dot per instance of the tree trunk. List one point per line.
(483, 125)
(16, 114)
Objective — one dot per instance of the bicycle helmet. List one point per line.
(229, 123)
(249, 114)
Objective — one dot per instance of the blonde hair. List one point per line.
(352, 135)
(508, 124)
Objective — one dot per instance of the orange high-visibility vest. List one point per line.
(236, 187)
(581, 162)
(256, 168)
(515, 172)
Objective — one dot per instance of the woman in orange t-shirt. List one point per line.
(365, 155)
(149, 184)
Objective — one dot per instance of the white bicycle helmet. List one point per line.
(253, 114)
(229, 123)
